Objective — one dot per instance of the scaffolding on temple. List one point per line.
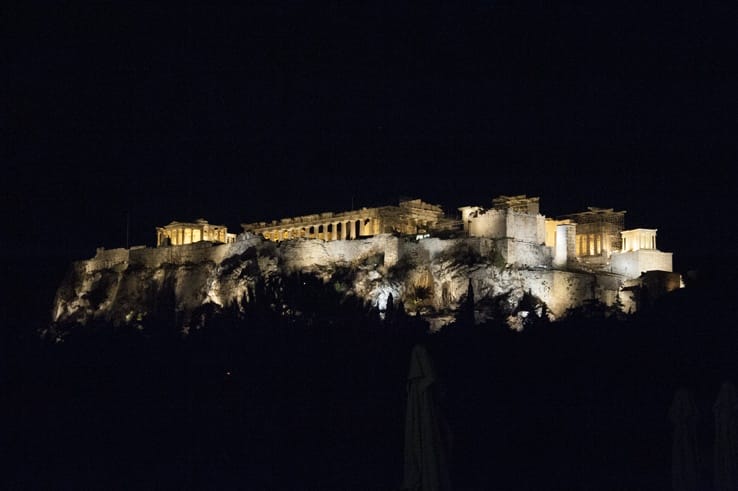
(598, 230)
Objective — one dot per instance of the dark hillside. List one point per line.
(261, 400)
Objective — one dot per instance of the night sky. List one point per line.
(129, 112)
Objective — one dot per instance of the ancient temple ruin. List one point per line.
(598, 234)
(410, 252)
(593, 240)
(410, 217)
(181, 233)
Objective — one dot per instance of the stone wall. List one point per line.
(498, 224)
(307, 254)
(156, 257)
(524, 254)
(489, 223)
(435, 274)
(526, 228)
(435, 246)
(106, 259)
(631, 264)
(568, 290)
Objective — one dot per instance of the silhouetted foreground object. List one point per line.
(726, 439)
(683, 416)
(426, 431)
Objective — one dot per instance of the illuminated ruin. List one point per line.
(508, 251)
(598, 234)
(182, 233)
(592, 240)
(410, 217)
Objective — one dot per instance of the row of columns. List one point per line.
(337, 230)
(636, 242)
(180, 236)
(590, 244)
(189, 235)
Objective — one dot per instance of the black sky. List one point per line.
(238, 114)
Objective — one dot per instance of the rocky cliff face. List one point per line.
(430, 277)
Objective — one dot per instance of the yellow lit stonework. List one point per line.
(598, 231)
(639, 238)
(592, 240)
(181, 233)
(551, 226)
(410, 217)
(563, 261)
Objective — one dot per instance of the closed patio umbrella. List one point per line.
(426, 466)
(726, 439)
(683, 416)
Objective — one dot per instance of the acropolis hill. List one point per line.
(411, 253)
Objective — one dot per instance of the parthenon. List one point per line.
(409, 217)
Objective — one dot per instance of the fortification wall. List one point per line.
(560, 290)
(128, 282)
(607, 289)
(526, 228)
(498, 224)
(566, 289)
(297, 254)
(490, 223)
(154, 257)
(631, 264)
(434, 246)
(301, 254)
(524, 254)
(106, 259)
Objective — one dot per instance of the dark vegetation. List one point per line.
(304, 388)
